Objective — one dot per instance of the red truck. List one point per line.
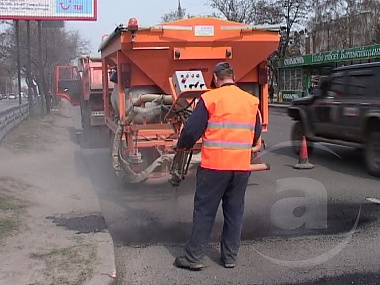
(82, 85)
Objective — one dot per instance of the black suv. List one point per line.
(343, 110)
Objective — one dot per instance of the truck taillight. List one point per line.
(133, 25)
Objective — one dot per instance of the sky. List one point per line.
(147, 12)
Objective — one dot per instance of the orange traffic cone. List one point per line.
(303, 161)
(257, 164)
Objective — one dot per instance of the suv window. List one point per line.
(361, 84)
(336, 86)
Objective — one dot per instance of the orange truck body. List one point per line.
(202, 42)
(147, 62)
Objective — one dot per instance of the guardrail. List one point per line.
(12, 117)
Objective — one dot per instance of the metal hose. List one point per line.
(122, 167)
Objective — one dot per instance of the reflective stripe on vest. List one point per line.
(224, 144)
(226, 125)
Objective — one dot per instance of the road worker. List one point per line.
(228, 120)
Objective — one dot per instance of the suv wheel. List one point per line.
(372, 154)
(296, 135)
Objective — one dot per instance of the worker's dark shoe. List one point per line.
(229, 265)
(183, 262)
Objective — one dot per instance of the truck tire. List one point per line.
(372, 154)
(111, 139)
(297, 132)
(87, 141)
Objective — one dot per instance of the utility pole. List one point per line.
(40, 67)
(29, 70)
(17, 27)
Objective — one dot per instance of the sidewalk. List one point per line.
(51, 227)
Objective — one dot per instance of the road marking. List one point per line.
(373, 200)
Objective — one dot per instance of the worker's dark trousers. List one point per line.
(212, 187)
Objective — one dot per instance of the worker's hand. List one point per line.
(175, 142)
(257, 146)
(175, 146)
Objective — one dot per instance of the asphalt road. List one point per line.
(301, 226)
(6, 103)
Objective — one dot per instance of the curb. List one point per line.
(105, 271)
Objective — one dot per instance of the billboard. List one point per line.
(49, 10)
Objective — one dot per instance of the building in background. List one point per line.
(346, 32)
(312, 55)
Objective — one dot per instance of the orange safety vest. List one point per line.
(228, 139)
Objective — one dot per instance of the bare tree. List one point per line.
(288, 13)
(171, 16)
(344, 23)
(59, 47)
(180, 13)
(373, 7)
(294, 14)
(242, 11)
(267, 13)
(174, 15)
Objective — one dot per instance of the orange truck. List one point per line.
(153, 77)
(82, 85)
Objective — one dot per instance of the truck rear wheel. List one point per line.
(296, 135)
(372, 154)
